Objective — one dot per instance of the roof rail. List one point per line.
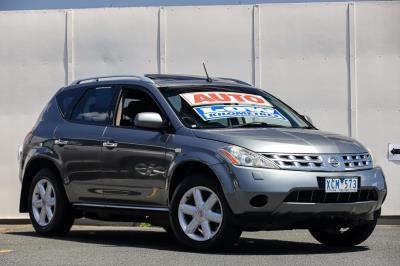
(236, 81)
(173, 77)
(97, 79)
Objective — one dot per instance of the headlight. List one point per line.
(242, 157)
(19, 152)
(371, 155)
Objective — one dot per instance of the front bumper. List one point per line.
(277, 184)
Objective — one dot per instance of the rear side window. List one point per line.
(94, 107)
(67, 99)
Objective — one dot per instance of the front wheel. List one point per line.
(49, 209)
(336, 236)
(200, 216)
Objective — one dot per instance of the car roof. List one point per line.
(167, 80)
(161, 80)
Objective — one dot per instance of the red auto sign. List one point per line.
(218, 97)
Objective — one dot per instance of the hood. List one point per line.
(284, 140)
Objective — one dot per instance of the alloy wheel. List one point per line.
(200, 213)
(43, 202)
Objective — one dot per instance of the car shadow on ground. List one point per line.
(163, 241)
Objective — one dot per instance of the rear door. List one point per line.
(134, 158)
(78, 141)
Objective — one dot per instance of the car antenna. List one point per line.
(205, 70)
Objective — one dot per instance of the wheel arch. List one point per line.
(183, 169)
(32, 167)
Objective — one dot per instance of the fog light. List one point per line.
(259, 201)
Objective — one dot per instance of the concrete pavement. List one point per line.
(109, 245)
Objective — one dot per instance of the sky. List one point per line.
(67, 4)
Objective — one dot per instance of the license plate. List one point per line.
(341, 184)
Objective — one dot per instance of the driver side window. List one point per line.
(131, 103)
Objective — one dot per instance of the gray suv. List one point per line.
(203, 158)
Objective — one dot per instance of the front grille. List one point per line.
(299, 161)
(319, 196)
(356, 160)
(321, 162)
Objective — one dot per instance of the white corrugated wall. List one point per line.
(337, 62)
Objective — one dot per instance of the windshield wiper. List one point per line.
(256, 124)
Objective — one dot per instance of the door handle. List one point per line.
(110, 145)
(60, 142)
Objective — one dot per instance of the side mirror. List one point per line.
(309, 120)
(148, 120)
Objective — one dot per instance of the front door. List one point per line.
(134, 158)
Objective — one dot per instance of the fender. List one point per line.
(43, 151)
(216, 165)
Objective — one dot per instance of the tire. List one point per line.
(55, 202)
(168, 229)
(351, 237)
(220, 232)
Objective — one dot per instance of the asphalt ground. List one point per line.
(110, 245)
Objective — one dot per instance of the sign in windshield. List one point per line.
(230, 111)
(218, 97)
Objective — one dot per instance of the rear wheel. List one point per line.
(337, 236)
(49, 209)
(200, 216)
(168, 229)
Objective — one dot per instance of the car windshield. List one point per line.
(230, 107)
